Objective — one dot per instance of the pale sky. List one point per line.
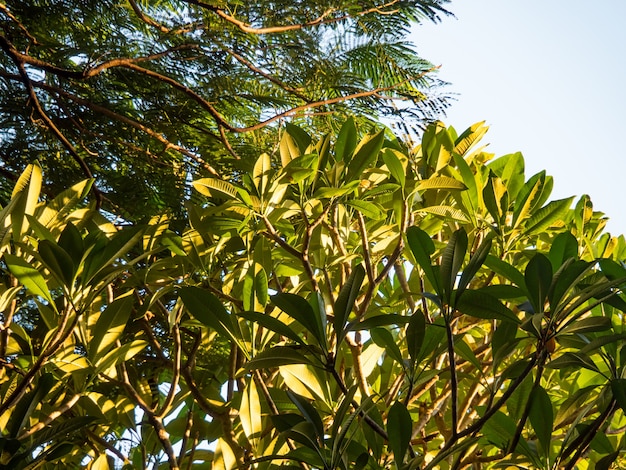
(549, 77)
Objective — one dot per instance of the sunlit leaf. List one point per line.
(28, 276)
(250, 412)
(275, 357)
(110, 325)
(441, 182)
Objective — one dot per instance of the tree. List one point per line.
(350, 304)
(140, 95)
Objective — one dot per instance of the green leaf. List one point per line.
(433, 340)
(494, 196)
(482, 305)
(446, 212)
(499, 430)
(250, 411)
(573, 359)
(26, 194)
(110, 251)
(57, 261)
(302, 138)
(451, 262)
(469, 137)
(293, 143)
(325, 192)
(255, 288)
(110, 326)
(260, 173)
(72, 242)
(67, 427)
(393, 160)
(383, 338)
(415, 332)
(29, 277)
(465, 352)
(541, 417)
(538, 277)
(505, 270)
(276, 357)
(587, 325)
(475, 263)
(606, 462)
(377, 320)
(422, 247)
(547, 215)
(399, 429)
(309, 412)
(364, 155)
(370, 210)
(618, 387)
(566, 278)
(272, 324)
(22, 412)
(209, 310)
(212, 186)
(345, 301)
(564, 247)
(118, 355)
(301, 311)
(503, 340)
(532, 195)
(441, 182)
(346, 141)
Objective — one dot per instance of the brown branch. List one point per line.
(19, 24)
(356, 347)
(146, 19)
(131, 122)
(13, 53)
(56, 342)
(404, 285)
(162, 28)
(323, 19)
(88, 72)
(155, 421)
(222, 415)
(107, 446)
(326, 102)
(186, 436)
(220, 120)
(265, 75)
(176, 367)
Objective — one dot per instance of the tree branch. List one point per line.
(323, 19)
(19, 63)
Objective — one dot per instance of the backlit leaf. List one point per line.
(28, 276)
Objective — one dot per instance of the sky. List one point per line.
(549, 78)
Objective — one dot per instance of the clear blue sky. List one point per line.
(549, 77)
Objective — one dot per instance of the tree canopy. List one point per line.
(139, 95)
(214, 256)
(355, 305)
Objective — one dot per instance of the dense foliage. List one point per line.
(141, 94)
(351, 303)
